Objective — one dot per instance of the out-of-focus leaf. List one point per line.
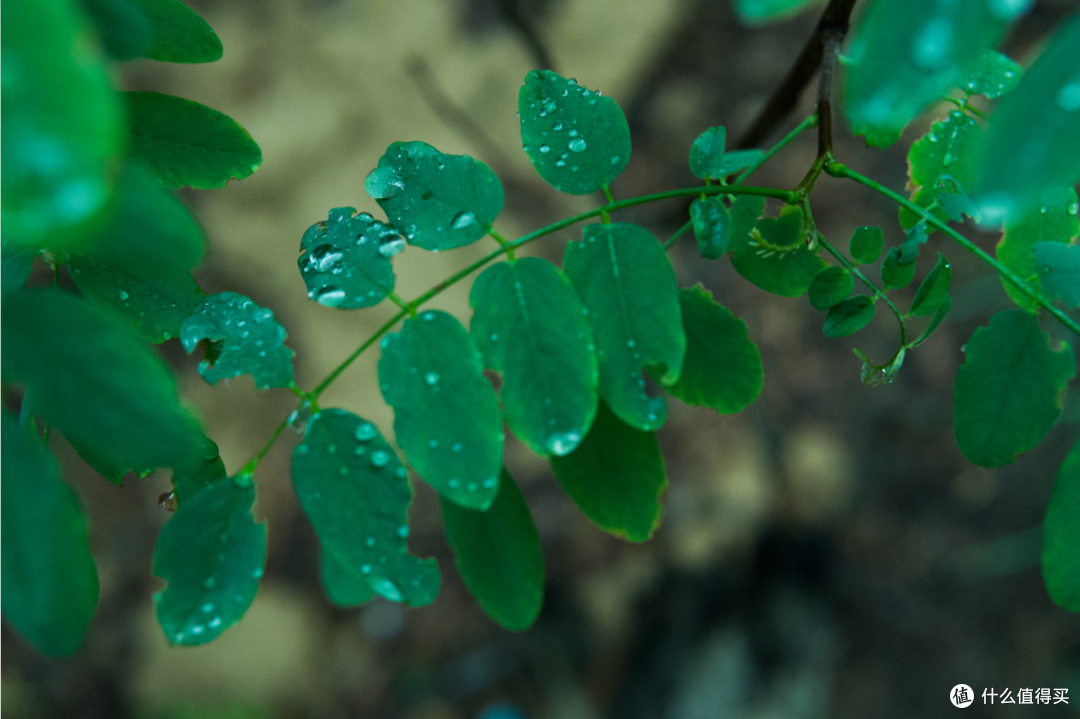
(17, 266)
(993, 75)
(180, 34)
(1061, 535)
(942, 161)
(124, 30)
(1059, 270)
(759, 12)
(1054, 220)
(345, 260)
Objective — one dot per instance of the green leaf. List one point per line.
(187, 143)
(616, 477)
(993, 75)
(112, 398)
(939, 315)
(446, 415)
(907, 53)
(17, 266)
(1061, 535)
(345, 260)
(1059, 270)
(530, 326)
(849, 316)
(212, 554)
(770, 252)
(722, 369)
(947, 155)
(181, 34)
(62, 128)
(894, 273)
(50, 583)
(254, 341)
(759, 12)
(829, 288)
(1034, 133)
(437, 201)
(577, 140)
(739, 160)
(1008, 391)
(187, 481)
(712, 227)
(1055, 220)
(933, 290)
(497, 554)
(909, 248)
(356, 494)
(627, 283)
(867, 244)
(124, 30)
(707, 153)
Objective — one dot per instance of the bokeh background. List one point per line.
(828, 552)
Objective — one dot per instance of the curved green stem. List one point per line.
(808, 123)
(249, 468)
(878, 293)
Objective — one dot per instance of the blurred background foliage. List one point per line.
(826, 553)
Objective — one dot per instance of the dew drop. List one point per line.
(386, 588)
(433, 443)
(615, 159)
(123, 296)
(456, 447)
(365, 432)
(463, 220)
(207, 607)
(403, 531)
(365, 569)
(330, 296)
(563, 443)
(210, 583)
(383, 183)
(370, 542)
(428, 316)
(1073, 208)
(490, 483)
(391, 248)
(214, 623)
(578, 145)
(431, 379)
(379, 459)
(257, 573)
(545, 149)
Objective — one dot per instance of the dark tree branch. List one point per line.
(825, 83)
(511, 12)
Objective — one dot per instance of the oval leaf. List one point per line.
(722, 369)
(849, 316)
(770, 252)
(894, 273)
(181, 34)
(187, 143)
(933, 290)
(942, 162)
(243, 338)
(49, 578)
(993, 75)
(628, 285)
(829, 288)
(707, 153)
(1059, 270)
(498, 555)
(1008, 391)
(345, 260)
(1053, 220)
(437, 201)
(712, 227)
(212, 555)
(867, 244)
(446, 415)
(577, 140)
(616, 477)
(1061, 535)
(356, 494)
(530, 325)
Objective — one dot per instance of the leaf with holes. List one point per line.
(345, 260)
(933, 290)
(770, 252)
(627, 283)
(1061, 535)
(530, 326)
(1059, 270)
(942, 162)
(577, 140)
(437, 201)
(498, 555)
(356, 494)
(712, 227)
(181, 34)
(993, 75)
(1008, 391)
(254, 341)
(446, 415)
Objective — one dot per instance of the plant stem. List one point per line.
(837, 169)
(249, 468)
(682, 230)
(878, 294)
(806, 124)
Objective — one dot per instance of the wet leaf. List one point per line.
(209, 468)
(186, 143)
(50, 583)
(181, 34)
(1053, 220)
(771, 252)
(933, 290)
(867, 244)
(212, 555)
(1061, 535)
(1059, 270)
(722, 369)
(446, 415)
(707, 153)
(941, 162)
(355, 491)
(829, 288)
(531, 327)
(627, 283)
(498, 555)
(616, 477)
(849, 316)
(345, 260)
(993, 75)
(254, 341)
(712, 227)
(577, 140)
(894, 273)
(437, 201)
(1008, 391)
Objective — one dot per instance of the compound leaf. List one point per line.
(933, 290)
(577, 140)
(1033, 139)
(770, 252)
(187, 143)
(244, 338)
(446, 415)
(180, 34)
(111, 397)
(849, 316)
(712, 227)
(1054, 220)
(722, 368)
(125, 32)
(212, 554)
(437, 201)
(627, 283)
(50, 583)
(498, 555)
(867, 244)
(1008, 391)
(906, 53)
(946, 157)
(616, 477)
(345, 260)
(1061, 535)
(356, 494)
(993, 75)
(530, 325)
(829, 288)
(1059, 270)
(62, 128)
(895, 273)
